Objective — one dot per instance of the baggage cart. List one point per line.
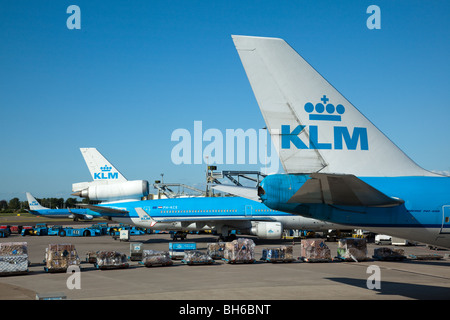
(215, 250)
(13, 258)
(59, 257)
(280, 254)
(314, 250)
(153, 258)
(352, 249)
(241, 250)
(111, 260)
(388, 254)
(195, 257)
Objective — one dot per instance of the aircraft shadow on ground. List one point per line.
(388, 288)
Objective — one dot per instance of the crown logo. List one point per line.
(105, 168)
(330, 109)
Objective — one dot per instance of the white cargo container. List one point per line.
(402, 242)
(124, 235)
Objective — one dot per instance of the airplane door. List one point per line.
(248, 211)
(445, 219)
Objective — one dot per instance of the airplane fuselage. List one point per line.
(209, 213)
(424, 216)
(64, 213)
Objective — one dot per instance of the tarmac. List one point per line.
(399, 280)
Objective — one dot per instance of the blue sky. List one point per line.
(138, 70)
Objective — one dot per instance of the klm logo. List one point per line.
(319, 109)
(34, 203)
(324, 112)
(106, 174)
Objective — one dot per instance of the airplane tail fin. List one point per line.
(100, 168)
(314, 127)
(33, 203)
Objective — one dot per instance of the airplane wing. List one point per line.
(244, 192)
(339, 189)
(102, 210)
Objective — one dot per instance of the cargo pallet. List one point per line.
(91, 257)
(14, 264)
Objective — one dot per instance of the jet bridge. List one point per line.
(237, 177)
(168, 189)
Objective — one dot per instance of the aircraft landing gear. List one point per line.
(226, 238)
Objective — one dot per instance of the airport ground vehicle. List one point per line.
(5, 229)
(133, 230)
(102, 227)
(40, 229)
(54, 230)
(383, 239)
(79, 232)
(15, 229)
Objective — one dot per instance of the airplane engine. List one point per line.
(267, 230)
(124, 190)
(88, 217)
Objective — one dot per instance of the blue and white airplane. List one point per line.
(185, 214)
(338, 166)
(75, 214)
(221, 214)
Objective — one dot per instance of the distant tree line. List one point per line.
(15, 205)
